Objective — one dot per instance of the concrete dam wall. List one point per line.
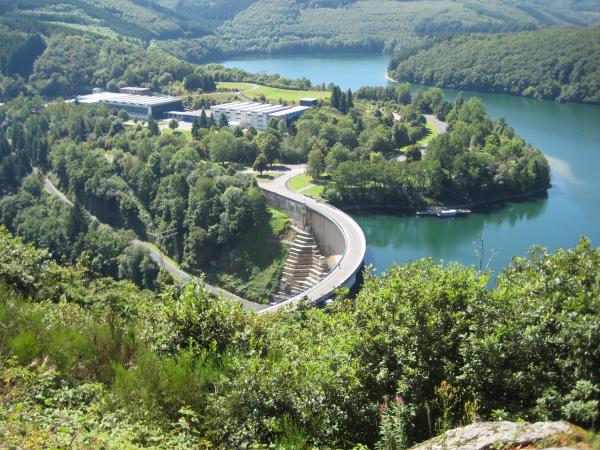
(339, 238)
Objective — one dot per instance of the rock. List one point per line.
(497, 435)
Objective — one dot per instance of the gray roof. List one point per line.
(127, 99)
(256, 107)
(287, 111)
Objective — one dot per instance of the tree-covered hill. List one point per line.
(197, 30)
(557, 63)
(373, 25)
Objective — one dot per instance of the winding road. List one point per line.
(345, 269)
(157, 256)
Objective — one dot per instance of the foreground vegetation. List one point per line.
(557, 64)
(87, 361)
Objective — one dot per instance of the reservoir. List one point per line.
(568, 134)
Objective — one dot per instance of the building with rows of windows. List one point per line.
(139, 105)
(254, 114)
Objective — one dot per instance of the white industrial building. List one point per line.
(138, 106)
(254, 114)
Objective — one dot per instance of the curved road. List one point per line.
(356, 244)
(157, 256)
(347, 267)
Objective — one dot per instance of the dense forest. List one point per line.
(366, 154)
(64, 49)
(72, 64)
(138, 182)
(90, 362)
(560, 64)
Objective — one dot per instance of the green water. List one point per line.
(568, 134)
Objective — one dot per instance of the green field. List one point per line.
(431, 133)
(303, 184)
(268, 176)
(299, 182)
(314, 191)
(272, 94)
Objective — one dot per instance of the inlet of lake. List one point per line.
(568, 134)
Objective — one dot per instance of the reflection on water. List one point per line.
(442, 236)
(562, 169)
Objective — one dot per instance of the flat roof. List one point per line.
(285, 112)
(259, 108)
(309, 99)
(127, 99)
(233, 105)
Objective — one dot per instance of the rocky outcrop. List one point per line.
(505, 435)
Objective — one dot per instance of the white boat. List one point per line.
(447, 213)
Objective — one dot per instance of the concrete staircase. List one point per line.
(304, 267)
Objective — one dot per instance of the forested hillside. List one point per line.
(197, 30)
(88, 362)
(557, 63)
(372, 25)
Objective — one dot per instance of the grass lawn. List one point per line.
(178, 132)
(314, 191)
(431, 133)
(272, 94)
(302, 184)
(299, 182)
(252, 266)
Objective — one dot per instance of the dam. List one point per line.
(340, 239)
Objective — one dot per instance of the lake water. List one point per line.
(568, 134)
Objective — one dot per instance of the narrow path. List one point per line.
(355, 241)
(440, 126)
(157, 256)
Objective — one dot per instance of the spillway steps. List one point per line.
(304, 267)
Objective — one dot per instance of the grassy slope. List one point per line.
(431, 133)
(272, 94)
(299, 182)
(304, 183)
(252, 266)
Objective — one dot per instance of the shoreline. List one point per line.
(487, 202)
(476, 92)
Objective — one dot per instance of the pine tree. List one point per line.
(203, 121)
(76, 221)
(459, 100)
(349, 99)
(335, 97)
(153, 126)
(223, 122)
(196, 133)
(343, 103)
